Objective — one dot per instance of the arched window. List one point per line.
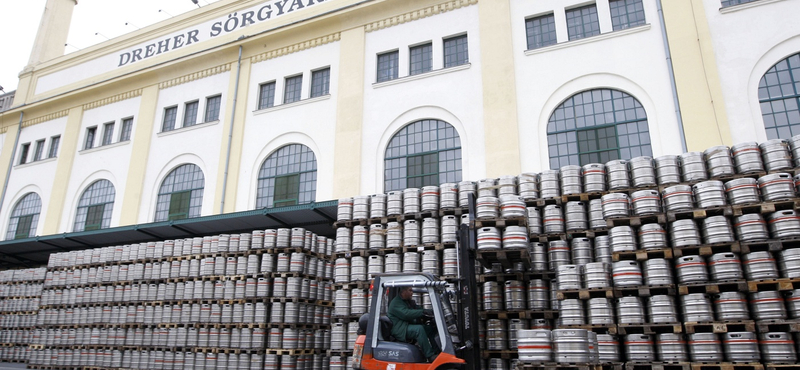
(181, 194)
(25, 217)
(779, 95)
(597, 126)
(287, 177)
(95, 207)
(423, 153)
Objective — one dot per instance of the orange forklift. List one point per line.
(456, 330)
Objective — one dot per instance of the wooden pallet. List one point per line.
(585, 293)
(501, 222)
(707, 249)
(700, 213)
(719, 327)
(782, 284)
(658, 366)
(765, 207)
(649, 328)
(771, 366)
(642, 254)
(727, 366)
(597, 328)
(713, 288)
(645, 290)
(506, 257)
(557, 366)
(659, 218)
(524, 314)
(786, 326)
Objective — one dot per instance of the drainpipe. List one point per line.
(230, 132)
(10, 165)
(672, 77)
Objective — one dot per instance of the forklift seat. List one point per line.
(386, 329)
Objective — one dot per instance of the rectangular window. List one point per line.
(53, 151)
(626, 13)
(170, 115)
(266, 95)
(24, 224)
(583, 22)
(598, 145)
(388, 66)
(190, 114)
(94, 217)
(90, 134)
(423, 170)
(735, 2)
(212, 108)
(23, 153)
(37, 154)
(127, 126)
(456, 51)
(293, 87)
(421, 59)
(108, 133)
(179, 205)
(287, 190)
(320, 82)
(541, 31)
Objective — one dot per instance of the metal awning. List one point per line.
(33, 252)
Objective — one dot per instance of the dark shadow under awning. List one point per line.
(33, 252)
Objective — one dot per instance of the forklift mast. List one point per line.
(468, 291)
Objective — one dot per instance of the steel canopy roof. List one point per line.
(33, 252)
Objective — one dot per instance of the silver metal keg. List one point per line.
(515, 237)
(487, 188)
(751, 227)
(657, 271)
(618, 177)
(448, 195)
(377, 205)
(646, 202)
(742, 191)
(741, 347)
(767, 305)
(569, 277)
(487, 207)
(596, 220)
(512, 206)
(693, 166)
(731, 306)
(594, 177)
(643, 171)
(684, 233)
(534, 346)
(571, 182)
(725, 266)
(616, 205)
(549, 184)
(429, 199)
(558, 254)
(492, 296)
(538, 253)
(747, 157)
(784, 224)
(652, 236)
(581, 251)
(622, 239)
(534, 221)
(571, 312)
(394, 203)
(576, 216)
(776, 155)
(570, 345)
(489, 238)
(630, 310)
(777, 347)
(506, 185)
(344, 209)
(626, 273)
(597, 275)
(600, 312)
(776, 186)
(678, 198)
(430, 230)
(430, 262)
(718, 161)
(496, 338)
(709, 193)
(691, 269)
(553, 219)
(528, 186)
(639, 348)
(668, 170)
(515, 295)
(411, 262)
(717, 229)
(465, 188)
(360, 207)
(671, 347)
(705, 347)
(696, 307)
(661, 309)
(793, 303)
(411, 200)
(608, 348)
(794, 146)
(538, 295)
(759, 265)
(602, 249)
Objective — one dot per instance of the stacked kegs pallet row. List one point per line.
(20, 292)
(678, 228)
(259, 300)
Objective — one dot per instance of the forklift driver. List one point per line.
(404, 313)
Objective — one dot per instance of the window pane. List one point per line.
(170, 114)
(779, 97)
(266, 97)
(37, 154)
(90, 133)
(423, 153)
(127, 126)
(455, 51)
(541, 31)
(100, 194)
(735, 2)
(320, 82)
(212, 108)
(388, 66)
(187, 178)
(190, 114)
(108, 133)
(287, 190)
(24, 217)
(293, 87)
(23, 153)
(94, 217)
(54, 141)
(179, 205)
(287, 177)
(626, 13)
(421, 59)
(582, 22)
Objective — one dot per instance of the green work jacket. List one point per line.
(402, 314)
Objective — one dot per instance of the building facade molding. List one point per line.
(195, 76)
(112, 99)
(418, 14)
(45, 118)
(300, 46)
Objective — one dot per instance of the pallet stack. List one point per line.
(206, 302)
(20, 292)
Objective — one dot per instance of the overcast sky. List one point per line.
(92, 22)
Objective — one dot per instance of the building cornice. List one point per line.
(195, 76)
(45, 118)
(418, 14)
(112, 99)
(319, 41)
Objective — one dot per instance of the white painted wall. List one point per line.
(630, 60)
(34, 177)
(103, 162)
(199, 145)
(748, 40)
(453, 95)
